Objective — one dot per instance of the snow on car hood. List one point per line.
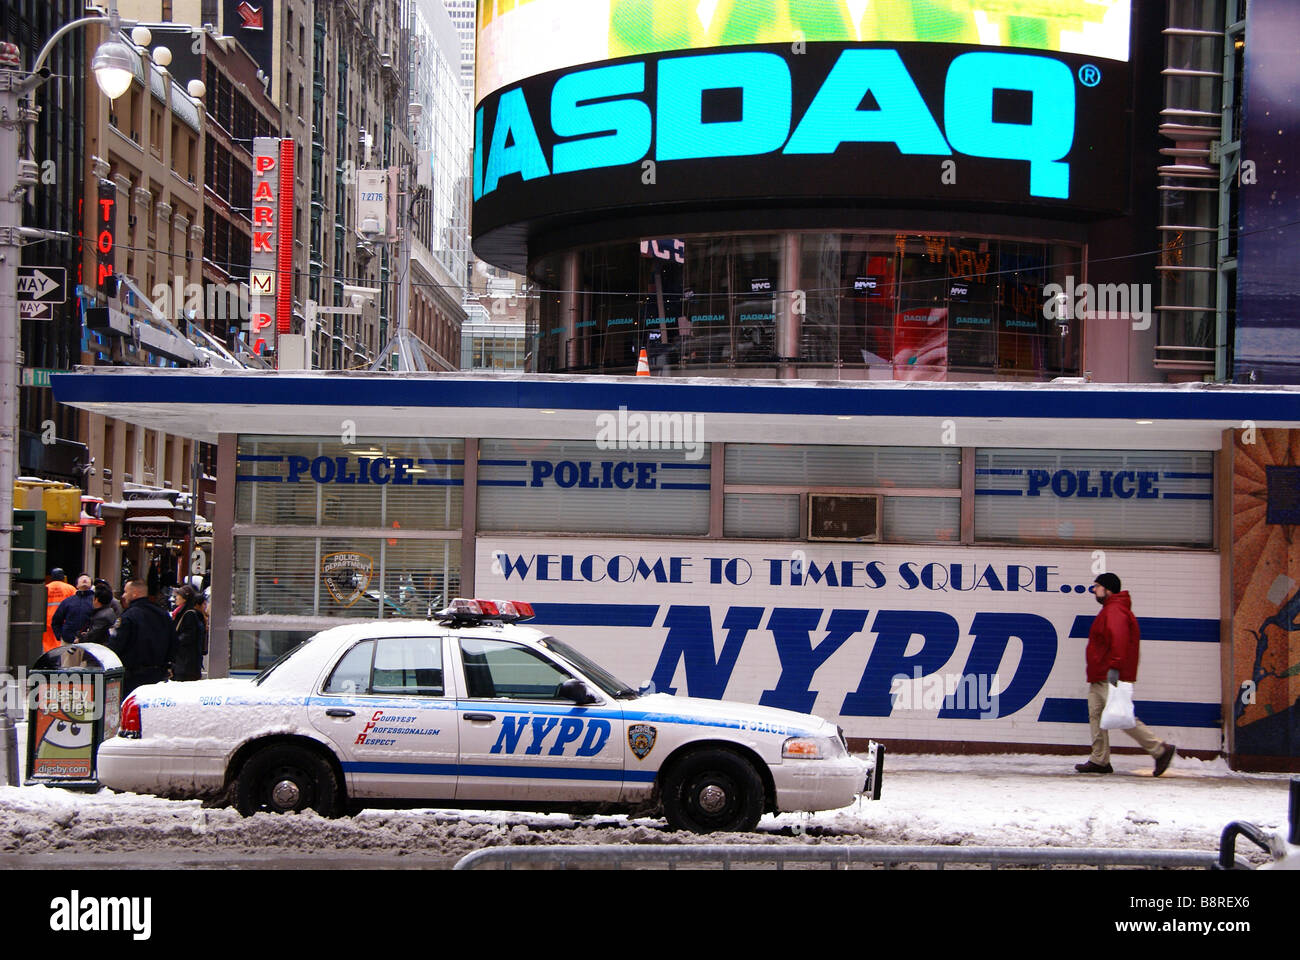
(665, 708)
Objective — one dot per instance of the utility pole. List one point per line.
(113, 67)
(16, 174)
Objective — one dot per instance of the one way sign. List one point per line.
(46, 284)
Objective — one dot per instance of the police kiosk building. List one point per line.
(911, 561)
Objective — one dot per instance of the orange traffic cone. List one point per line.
(643, 365)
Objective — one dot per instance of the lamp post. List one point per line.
(113, 66)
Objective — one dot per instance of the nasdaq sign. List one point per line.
(604, 132)
(911, 121)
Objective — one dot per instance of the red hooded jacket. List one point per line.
(1113, 640)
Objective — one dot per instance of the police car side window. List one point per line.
(495, 670)
(352, 675)
(408, 666)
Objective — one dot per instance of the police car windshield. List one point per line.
(279, 660)
(611, 684)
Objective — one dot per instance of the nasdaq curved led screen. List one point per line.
(523, 38)
(1003, 114)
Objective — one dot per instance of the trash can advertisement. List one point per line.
(74, 703)
(62, 743)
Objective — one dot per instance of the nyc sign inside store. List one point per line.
(909, 642)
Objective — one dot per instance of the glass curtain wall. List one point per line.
(893, 306)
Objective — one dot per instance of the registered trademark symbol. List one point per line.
(1089, 75)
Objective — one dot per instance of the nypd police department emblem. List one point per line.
(641, 738)
(347, 575)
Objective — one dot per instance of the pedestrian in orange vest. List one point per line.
(57, 589)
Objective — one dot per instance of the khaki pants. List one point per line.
(1097, 694)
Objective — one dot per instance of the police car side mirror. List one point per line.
(575, 690)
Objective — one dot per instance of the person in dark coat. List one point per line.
(191, 634)
(73, 612)
(144, 638)
(117, 607)
(95, 630)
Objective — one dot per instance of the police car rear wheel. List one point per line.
(713, 790)
(285, 779)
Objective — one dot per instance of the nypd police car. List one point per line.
(472, 710)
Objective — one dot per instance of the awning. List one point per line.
(203, 403)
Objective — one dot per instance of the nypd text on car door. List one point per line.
(524, 738)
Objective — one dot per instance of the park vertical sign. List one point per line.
(271, 274)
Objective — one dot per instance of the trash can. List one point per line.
(74, 704)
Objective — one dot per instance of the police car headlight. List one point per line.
(811, 748)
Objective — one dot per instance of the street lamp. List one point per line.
(112, 64)
(114, 67)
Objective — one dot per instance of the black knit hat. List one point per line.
(1109, 581)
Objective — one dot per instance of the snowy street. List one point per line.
(1009, 800)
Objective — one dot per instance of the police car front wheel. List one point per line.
(287, 779)
(713, 790)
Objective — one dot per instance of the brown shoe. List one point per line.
(1091, 767)
(1164, 758)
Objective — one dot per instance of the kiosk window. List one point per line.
(1120, 497)
(657, 482)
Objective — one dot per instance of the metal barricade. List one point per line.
(832, 856)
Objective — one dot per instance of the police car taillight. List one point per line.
(130, 727)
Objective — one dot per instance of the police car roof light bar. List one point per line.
(512, 611)
(462, 610)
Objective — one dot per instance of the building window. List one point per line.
(343, 576)
(597, 487)
(768, 486)
(1107, 497)
(320, 482)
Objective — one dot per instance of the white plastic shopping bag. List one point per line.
(1118, 714)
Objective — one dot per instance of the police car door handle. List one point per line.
(479, 716)
(335, 712)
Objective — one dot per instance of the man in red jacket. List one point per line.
(1112, 656)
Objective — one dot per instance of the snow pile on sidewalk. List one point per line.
(1011, 800)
